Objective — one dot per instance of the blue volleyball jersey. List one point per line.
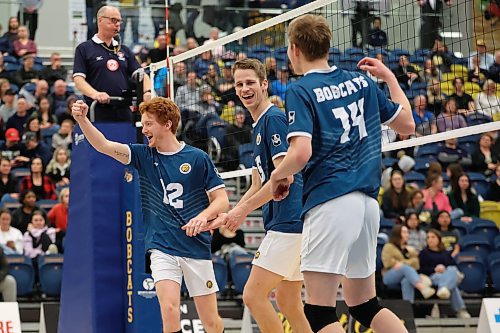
(269, 139)
(342, 113)
(174, 189)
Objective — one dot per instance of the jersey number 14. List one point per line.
(351, 114)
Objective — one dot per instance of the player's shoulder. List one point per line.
(194, 152)
(274, 112)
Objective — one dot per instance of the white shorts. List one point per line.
(198, 273)
(340, 236)
(279, 253)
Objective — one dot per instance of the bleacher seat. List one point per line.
(417, 60)
(50, 271)
(460, 61)
(386, 226)
(496, 243)
(476, 244)
(477, 119)
(472, 88)
(12, 67)
(484, 228)
(415, 177)
(260, 49)
(400, 52)
(419, 86)
(21, 268)
(216, 131)
(462, 227)
(422, 163)
(490, 210)
(10, 59)
(494, 269)
(428, 150)
(474, 269)
(422, 52)
(14, 87)
(469, 139)
(245, 152)
(388, 161)
(334, 50)
(354, 51)
(479, 182)
(380, 244)
(220, 270)
(46, 204)
(240, 266)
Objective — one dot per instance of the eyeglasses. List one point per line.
(113, 20)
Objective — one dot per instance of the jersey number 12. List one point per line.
(171, 194)
(357, 120)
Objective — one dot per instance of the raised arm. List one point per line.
(118, 151)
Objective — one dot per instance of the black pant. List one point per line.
(32, 19)
(112, 113)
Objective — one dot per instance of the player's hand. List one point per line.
(147, 96)
(79, 110)
(196, 225)
(235, 217)
(280, 188)
(376, 68)
(101, 97)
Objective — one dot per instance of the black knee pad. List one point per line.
(364, 313)
(320, 316)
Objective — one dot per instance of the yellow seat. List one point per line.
(447, 88)
(448, 77)
(497, 90)
(472, 88)
(490, 210)
(456, 68)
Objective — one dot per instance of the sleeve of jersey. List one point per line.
(137, 153)
(213, 181)
(299, 112)
(79, 66)
(276, 131)
(388, 109)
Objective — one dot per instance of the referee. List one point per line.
(103, 68)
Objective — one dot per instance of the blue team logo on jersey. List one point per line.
(258, 139)
(291, 117)
(185, 168)
(276, 139)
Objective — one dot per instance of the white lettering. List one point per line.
(319, 95)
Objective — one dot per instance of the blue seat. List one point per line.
(474, 138)
(462, 227)
(12, 67)
(422, 163)
(417, 60)
(351, 51)
(477, 119)
(260, 49)
(245, 152)
(460, 61)
(334, 50)
(10, 59)
(494, 269)
(415, 177)
(240, 266)
(348, 65)
(419, 86)
(378, 263)
(50, 271)
(479, 183)
(216, 131)
(220, 270)
(386, 225)
(422, 52)
(388, 161)
(427, 150)
(476, 244)
(484, 228)
(372, 53)
(496, 243)
(21, 268)
(475, 271)
(400, 52)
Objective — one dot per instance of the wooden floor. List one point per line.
(484, 30)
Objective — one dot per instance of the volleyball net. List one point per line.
(428, 49)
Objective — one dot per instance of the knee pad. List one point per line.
(364, 313)
(320, 316)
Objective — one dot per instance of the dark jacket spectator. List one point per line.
(461, 196)
(55, 71)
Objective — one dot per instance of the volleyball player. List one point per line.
(179, 184)
(334, 133)
(277, 262)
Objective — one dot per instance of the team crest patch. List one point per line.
(210, 284)
(257, 255)
(112, 65)
(128, 176)
(258, 139)
(185, 168)
(291, 117)
(276, 139)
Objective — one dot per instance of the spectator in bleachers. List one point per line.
(425, 122)
(8, 183)
(5, 45)
(8, 285)
(397, 198)
(226, 242)
(44, 114)
(33, 125)
(58, 168)
(237, 133)
(21, 216)
(465, 103)
(7, 107)
(38, 182)
(494, 70)
(67, 115)
(226, 82)
(484, 158)
(201, 64)
(416, 236)
(188, 96)
(477, 74)
(276, 100)
(452, 153)
(400, 263)
(271, 68)
(3, 72)
(453, 171)
(211, 78)
(38, 238)
(416, 202)
(449, 235)
(19, 119)
(280, 85)
(461, 197)
(58, 217)
(180, 75)
(27, 74)
(406, 73)
(434, 197)
(487, 102)
(23, 44)
(429, 71)
(437, 263)
(440, 56)
(191, 43)
(30, 14)
(11, 33)
(158, 53)
(32, 147)
(11, 149)
(41, 90)
(376, 36)
(62, 138)
(493, 193)
(55, 71)
(218, 51)
(58, 97)
(4, 86)
(11, 239)
(435, 97)
(450, 119)
(485, 59)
